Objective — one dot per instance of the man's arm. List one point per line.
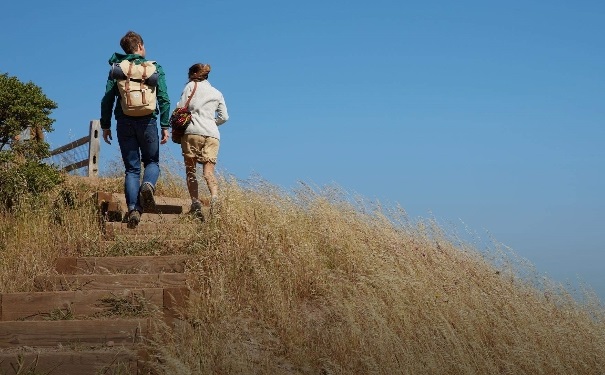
(107, 103)
(163, 100)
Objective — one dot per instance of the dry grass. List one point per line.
(314, 281)
(321, 283)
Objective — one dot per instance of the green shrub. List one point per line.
(24, 181)
(23, 175)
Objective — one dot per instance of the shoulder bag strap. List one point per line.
(191, 96)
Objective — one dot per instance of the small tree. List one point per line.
(22, 105)
(22, 173)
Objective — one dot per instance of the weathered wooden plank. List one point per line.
(172, 229)
(164, 205)
(109, 282)
(94, 147)
(159, 200)
(15, 334)
(70, 363)
(175, 303)
(114, 207)
(150, 217)
(153, 218)
(110, 208)
(67, 265)
(168, 209)
(72, 304)
(105, 197)
(70, 146)
(138, 246)
(122, 264)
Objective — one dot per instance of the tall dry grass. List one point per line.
(314, 281)
(317, 282)
(64, 222)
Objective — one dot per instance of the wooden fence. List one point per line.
(94, 146)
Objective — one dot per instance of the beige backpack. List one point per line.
(137, 85)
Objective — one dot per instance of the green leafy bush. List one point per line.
(26, 181)
(23, 175)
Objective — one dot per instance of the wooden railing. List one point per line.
(94, 146)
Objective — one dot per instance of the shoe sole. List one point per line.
(147, 199)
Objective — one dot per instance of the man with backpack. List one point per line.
(140, 87)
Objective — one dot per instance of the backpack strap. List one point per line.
(143, 88)
(128, 75)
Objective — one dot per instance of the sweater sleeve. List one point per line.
(107, 103)
(221, 112)
(163, 100)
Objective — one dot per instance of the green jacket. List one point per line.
(111, 93)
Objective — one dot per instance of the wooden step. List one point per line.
(109, 282)
(73, 333)
(122, 264)
(144, 229)
(78, 319)
(155, 219)
(148, 232)
(140, 248)
(79, 304)
(113, 202)
(159, 218)
(102, 196)
(108, 361)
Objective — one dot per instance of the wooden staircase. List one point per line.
(93, 314)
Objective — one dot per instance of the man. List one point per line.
(136, 128)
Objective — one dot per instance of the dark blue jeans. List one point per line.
(139, 142)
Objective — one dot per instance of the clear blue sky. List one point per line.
(490, 113)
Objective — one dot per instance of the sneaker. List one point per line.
(134, 217)
(146, 197)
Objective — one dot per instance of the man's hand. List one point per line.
(107, 136)
(165, 136)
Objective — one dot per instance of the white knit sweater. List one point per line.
(208, 109)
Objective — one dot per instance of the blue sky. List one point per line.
(486, 113)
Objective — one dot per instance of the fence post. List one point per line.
(94, 147)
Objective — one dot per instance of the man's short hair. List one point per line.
(130, 42)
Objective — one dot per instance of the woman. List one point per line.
(201, 140)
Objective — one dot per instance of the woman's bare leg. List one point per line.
(208, 169)
(192, 185)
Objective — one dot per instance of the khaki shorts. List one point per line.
(203, 149)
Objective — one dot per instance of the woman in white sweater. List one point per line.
(201, 140)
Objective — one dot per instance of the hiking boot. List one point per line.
(146, 197)
(196, 210)
(195, 207)
(134, 217)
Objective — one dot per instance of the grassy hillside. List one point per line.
(313, 281)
